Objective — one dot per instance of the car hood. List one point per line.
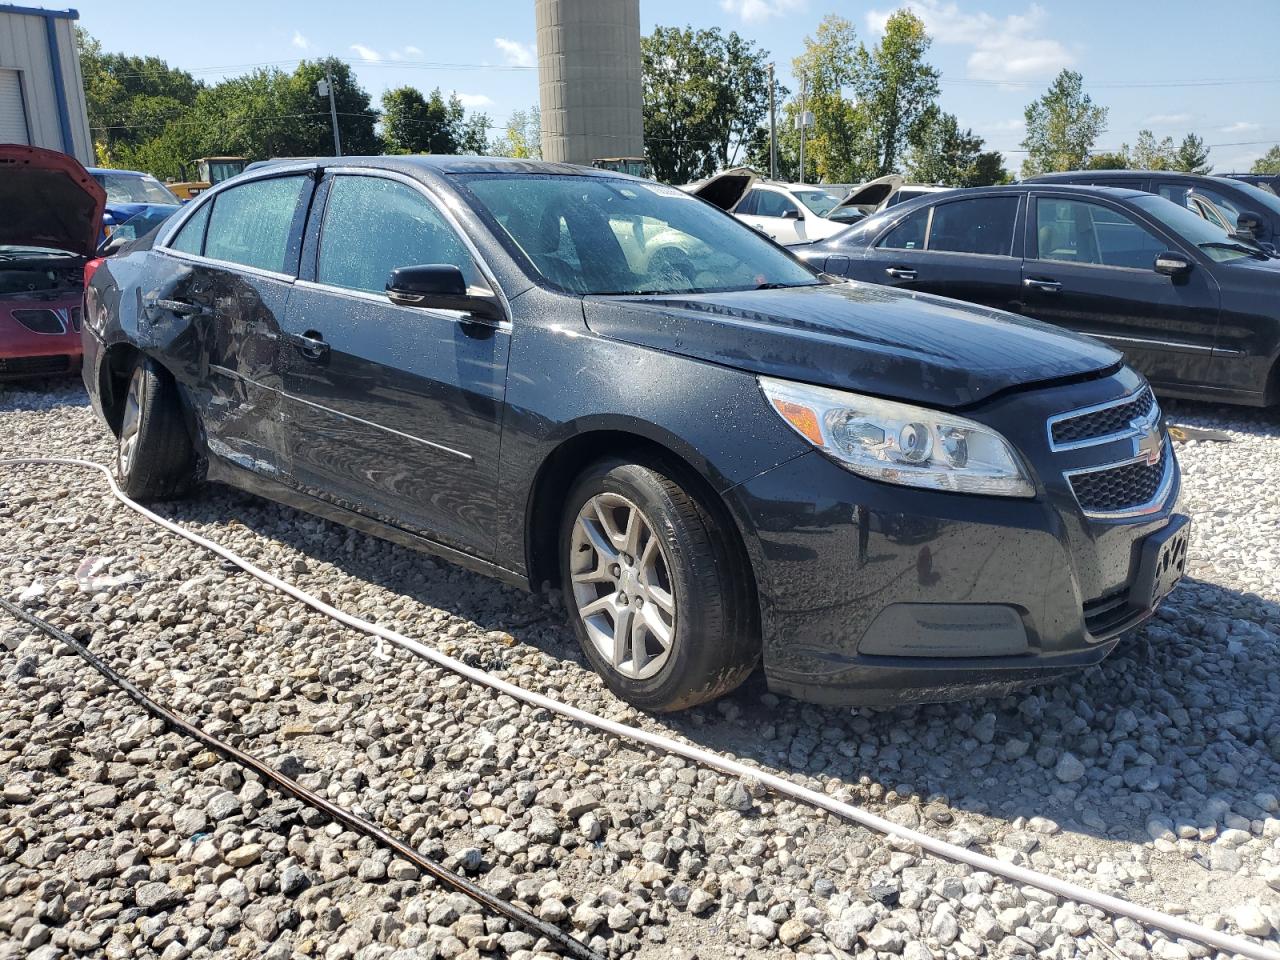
(49, 200)
(861, 337)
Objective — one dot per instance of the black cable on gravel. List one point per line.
(562, 941)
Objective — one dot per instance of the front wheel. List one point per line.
(657, 590)
(154, 456)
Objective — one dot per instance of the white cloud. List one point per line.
(365, 53)
(756, 11)
(1004, 48)
(299, 40)
(412, 51)
(1167, 119)
(1241, 126)
(517, 54)
(473, 100)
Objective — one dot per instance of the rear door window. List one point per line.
(252, 224)
(982, 225)
(909, 234)
(1076, 231)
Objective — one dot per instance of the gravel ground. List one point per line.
(1154, 776)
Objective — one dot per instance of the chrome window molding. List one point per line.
(1153, 417)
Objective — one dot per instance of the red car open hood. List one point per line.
(48, 200)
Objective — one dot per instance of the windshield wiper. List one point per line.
(1256, 252)
(778, 286)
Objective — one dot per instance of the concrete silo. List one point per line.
(589, 79)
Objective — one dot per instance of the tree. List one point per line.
(129, 99)
(522, 137)
(943, 153)
(413, 123)
(1192, 155)
(895, 88)
(1269, 162)
(1150, 154)
(837, 147)
(1108, 161)
(1062, 127)
(704, 92)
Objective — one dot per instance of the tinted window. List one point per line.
(250, 224)
(772, 204)
(372, 226)
(637, 236)
(748, 203)
(190, 238)
(909, 234)
(980, 225)
(1075, 231)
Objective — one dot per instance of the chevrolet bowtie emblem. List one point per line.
(1148, 444)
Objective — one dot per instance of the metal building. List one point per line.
(41, 89)
(589, 79)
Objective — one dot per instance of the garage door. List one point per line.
(13, 116)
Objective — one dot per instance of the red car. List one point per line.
(48, 232)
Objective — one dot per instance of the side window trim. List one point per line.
(332, 172)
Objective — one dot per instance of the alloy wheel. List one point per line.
(621, 582)
(130, 424)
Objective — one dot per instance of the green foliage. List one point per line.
(704, 93)
(1148, 153)
(522, 137)
(1062, 127)
(1107, 161)
(895, 88)
(942, 153)
(1192, 155)
(1269, 162)
(412, 123)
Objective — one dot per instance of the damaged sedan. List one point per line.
(572, 378)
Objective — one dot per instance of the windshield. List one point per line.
(603, 235)
(1213, 240)
(818, 201)
(1265, 199)
(132, 188)
(220, 170)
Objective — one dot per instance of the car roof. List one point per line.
(1023, 187)
(443, 164)
(1123, 175)
(128, 173)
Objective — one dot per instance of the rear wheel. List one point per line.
(657, 591)
(154, 456)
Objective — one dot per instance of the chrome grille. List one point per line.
(1104, 422)
(1120, 488)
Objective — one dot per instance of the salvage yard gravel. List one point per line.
(1154, 776)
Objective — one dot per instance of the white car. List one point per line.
(886, 191)
(790, 213)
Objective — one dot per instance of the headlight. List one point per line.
(900, 443)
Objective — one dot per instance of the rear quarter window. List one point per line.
(251, 224)
(190, 238)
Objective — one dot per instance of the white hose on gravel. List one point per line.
(781, 785)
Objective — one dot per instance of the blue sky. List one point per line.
(1171, 67)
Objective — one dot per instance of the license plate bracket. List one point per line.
(1163, 563)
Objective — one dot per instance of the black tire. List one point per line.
(716, 639)
(156, 460)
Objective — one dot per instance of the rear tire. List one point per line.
(658, 592)
(154, 456)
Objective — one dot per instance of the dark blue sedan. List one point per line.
(135, 198)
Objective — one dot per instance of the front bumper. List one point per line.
(877, 594)
(26, 353)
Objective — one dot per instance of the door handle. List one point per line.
(181, 307)
(310, 344)
(901, 273)
(1048, 286)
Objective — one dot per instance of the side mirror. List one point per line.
(114, 243)
(440, 286)
(792, 214)
(1249, 224)
(1172, 264)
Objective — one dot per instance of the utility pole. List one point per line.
(323, 88)
(773, 132)
(804, 85)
